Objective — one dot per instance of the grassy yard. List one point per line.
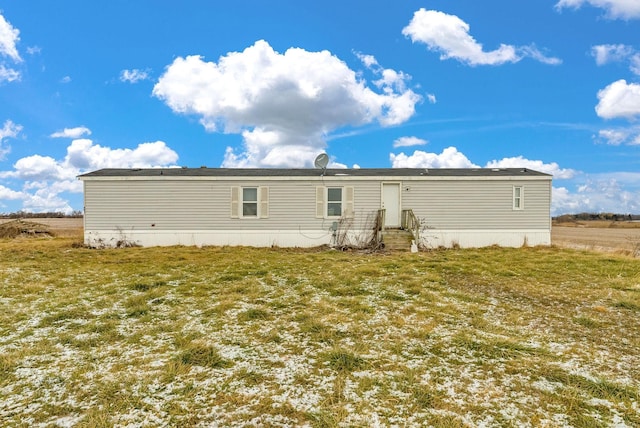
(274, 337)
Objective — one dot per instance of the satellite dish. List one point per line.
(322, 160)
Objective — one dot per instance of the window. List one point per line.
(249, 202)
(334, 201)
(518, 197)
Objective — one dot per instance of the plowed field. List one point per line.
(625, 240)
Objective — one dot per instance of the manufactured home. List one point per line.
(312, 207)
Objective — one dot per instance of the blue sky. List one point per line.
(550, 85)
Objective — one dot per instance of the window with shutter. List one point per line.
(334, 202)
(249, 202)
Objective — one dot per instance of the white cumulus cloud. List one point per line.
(390, 80)
(409, 142)
(449, 35)
(605, 54)
(44, 180)
(449, 158)
(33, 50)
(283, 104)
(616, 192)
(38, 167)
(615, 137)
(9, 194)
(619, 100)
(8, 130)
(8, 74)
(452, 158)
(566, 202)
(84, 155)
(596, 196)
(537, 165)
(623, 9)
(9, 37)
(634, 64)
(77, 132)
(133, 76)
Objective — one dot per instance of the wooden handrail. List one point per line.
(378, 227)
(410, 222)
(380, 219)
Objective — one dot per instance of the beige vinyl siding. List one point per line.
(207, 205)
(178, 204)
(479, 204)
(165, 204)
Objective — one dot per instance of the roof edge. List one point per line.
(309, 172)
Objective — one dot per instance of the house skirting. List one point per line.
(251, 238)
(429, 238)
(432, 238)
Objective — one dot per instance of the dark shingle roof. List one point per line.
(309, 172)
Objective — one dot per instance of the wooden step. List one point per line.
(397, 239)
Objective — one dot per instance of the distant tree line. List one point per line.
(596, 216)
(56, 214)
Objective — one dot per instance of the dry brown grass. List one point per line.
(187, 336)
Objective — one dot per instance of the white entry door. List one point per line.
(391, 204)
